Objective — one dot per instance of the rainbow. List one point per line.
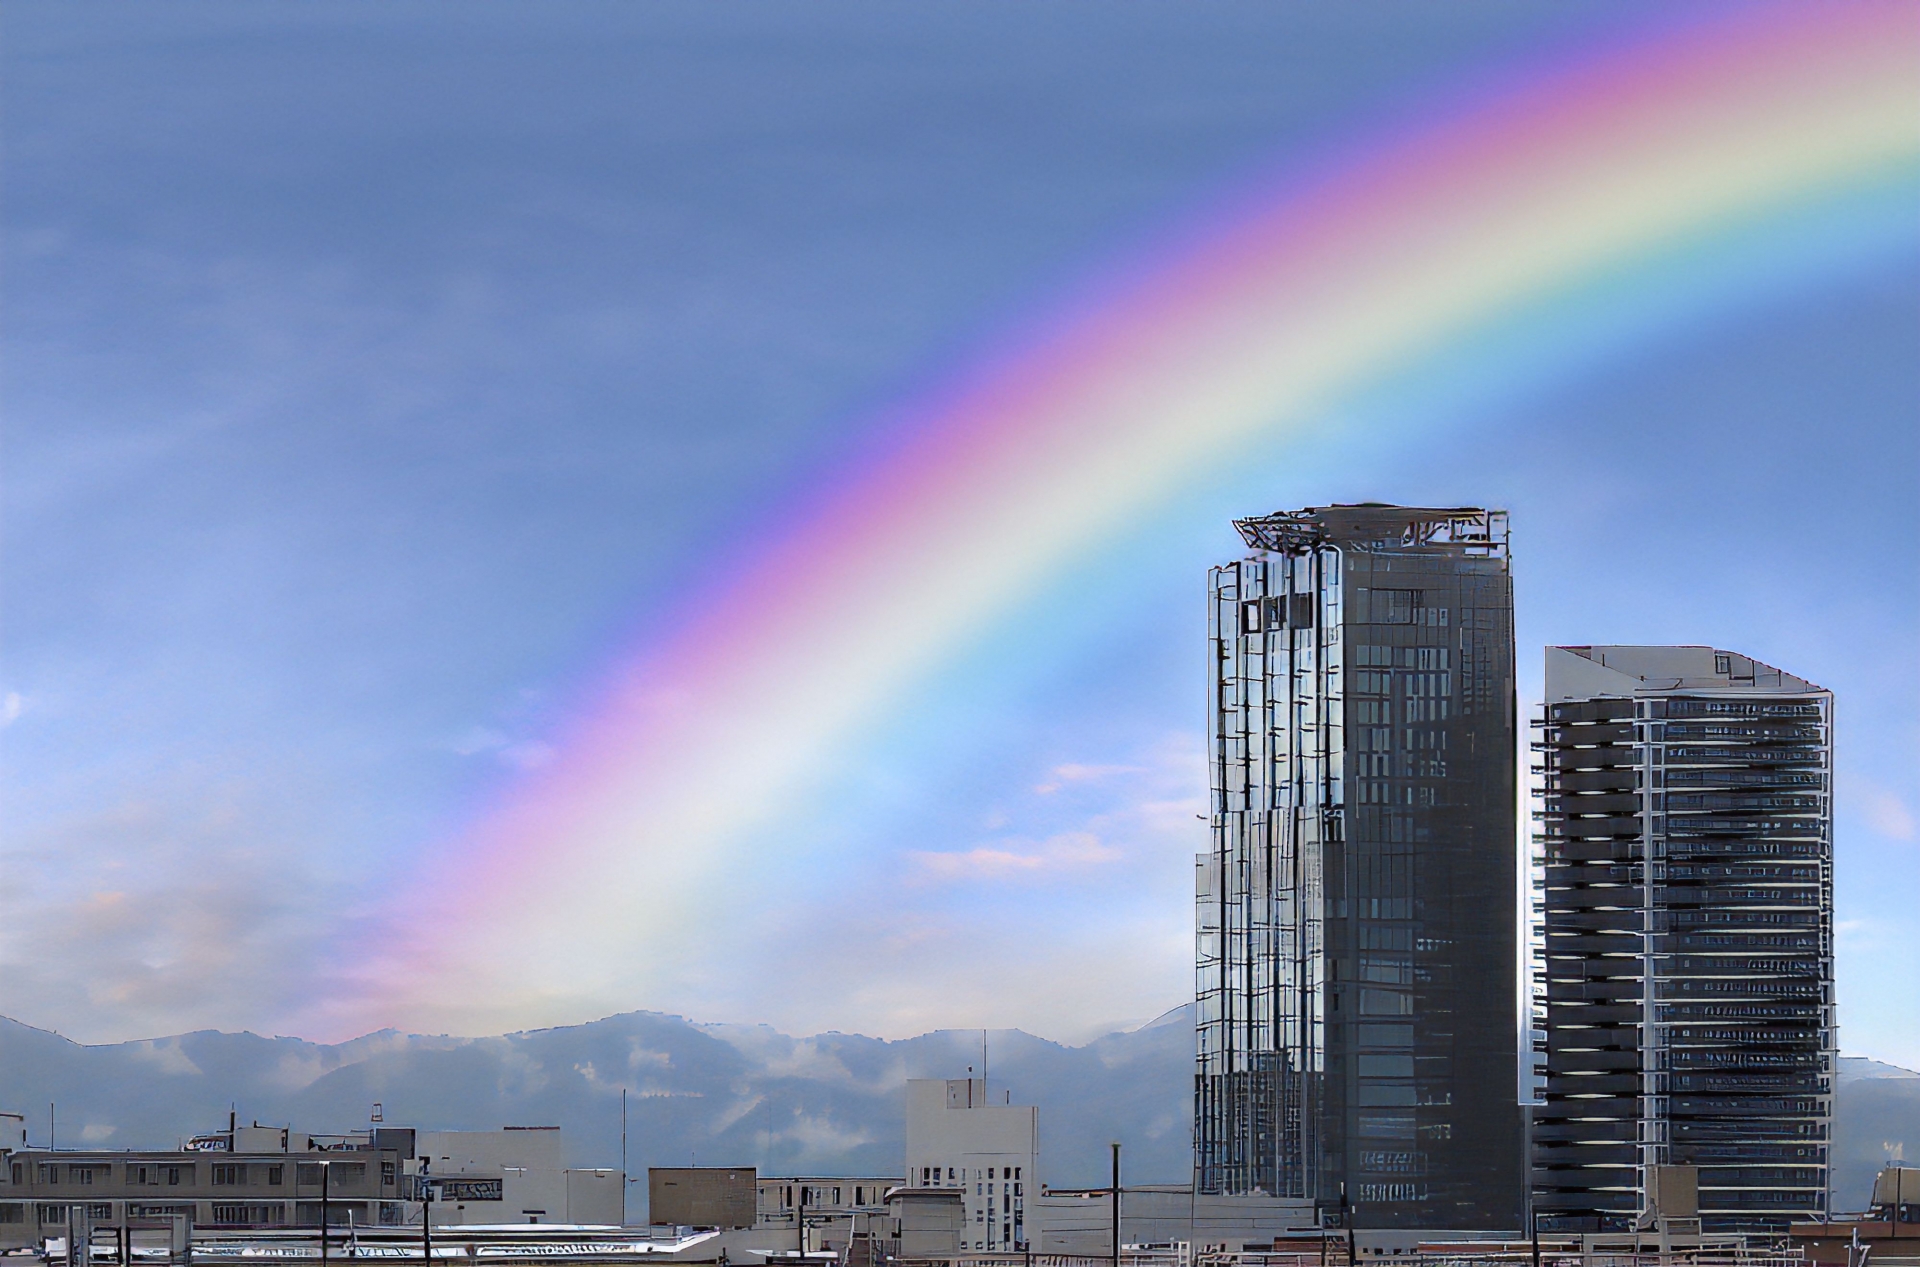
(1598, 181)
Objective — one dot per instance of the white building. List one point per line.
(514, 1175)
(956, 1138)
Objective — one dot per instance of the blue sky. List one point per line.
(372, 369)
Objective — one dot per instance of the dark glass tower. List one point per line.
(1357, 952)
(1687, 843)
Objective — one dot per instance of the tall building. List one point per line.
(1357, 913)
(956, 1138)
(1687, 906)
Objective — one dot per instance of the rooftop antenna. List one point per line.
(983, 1065)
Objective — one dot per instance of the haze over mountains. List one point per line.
(716, 1094)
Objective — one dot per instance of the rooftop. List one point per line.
(1379, 526)
(1587, 672)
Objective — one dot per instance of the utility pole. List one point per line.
(1116, 1205)
(326, 1206)
(426, 1209)
(1346, 1217)
(623, 1159)
(1533, 1228)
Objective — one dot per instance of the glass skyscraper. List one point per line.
(1686, 983)
(1357, 912)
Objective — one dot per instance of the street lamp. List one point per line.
(425, 1182)
(326, 1206)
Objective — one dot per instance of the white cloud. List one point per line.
(11, 706)
(1056, 853)
(1075, 772)
(155, 918)
(1887, 812)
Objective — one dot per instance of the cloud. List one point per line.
(157, 917)
(1074, 772)
(1887, 811)
(11, 706)
(521, 754)
(1056, 853)
(167, 1055)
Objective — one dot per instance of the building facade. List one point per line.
(246, 1186)
(822, 1200)
(957, 1139)
(264, 1178)
(1357, 912)
(517, 1174)
(1686, 957)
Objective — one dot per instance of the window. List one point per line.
(80, 1174)
(1723, 664)
(277, 1175)
(387, 1174)
(53, 1214)
(12, 1212)
(175, 1174)
(309, 1173)
(19, 1170)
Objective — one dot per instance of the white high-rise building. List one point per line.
(957, 1139)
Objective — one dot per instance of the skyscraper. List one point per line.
(1357, 949)
(1687, 842)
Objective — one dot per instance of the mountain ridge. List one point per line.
(731, 1093)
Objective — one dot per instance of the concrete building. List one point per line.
(1080, 1222)
(1686, 982)
(701, 1196)
(958, 1139)
(241, 1178)
(1357, 914)
(517, 1174)
(928, 1223)
(787, 1214)
(261, 1178)
(832, 1206)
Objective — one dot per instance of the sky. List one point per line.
(375, 376)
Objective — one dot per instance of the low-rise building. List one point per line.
(517, 1174)
(701, 1196)
(268, 1177)
(244, 1177)
(958, 1137)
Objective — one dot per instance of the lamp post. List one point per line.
(1346, 1217)
(425, 1183)
(326, 1206)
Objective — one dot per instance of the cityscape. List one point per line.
(1358, 1023)
(1091, 634)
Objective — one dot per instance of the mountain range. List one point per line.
(716, 1094)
